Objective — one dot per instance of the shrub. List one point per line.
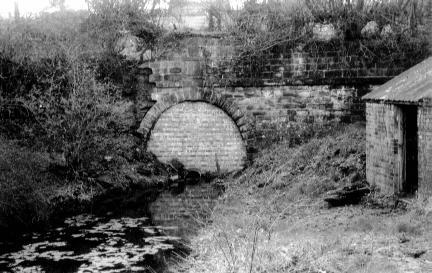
(77, 123)
(54, 75)
(62, 76)
(108, 18)
(277, 28)
(24, 184)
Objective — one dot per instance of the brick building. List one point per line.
(399, 133)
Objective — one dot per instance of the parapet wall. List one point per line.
(215, 60)
(297, 68)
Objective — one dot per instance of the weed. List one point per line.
(25, 186)
(408, 228)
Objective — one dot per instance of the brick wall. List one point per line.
(199, 135)
(381, 150)
(424, 120)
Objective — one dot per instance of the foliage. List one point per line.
(36, 53)
(64, 83)
(23, 183)
(75, 124)
(60, 96)
(109, 18)
(280, 27)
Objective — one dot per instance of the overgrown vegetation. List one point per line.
(62, 103)
(63, 71)
(325, 158)
(272, 217)
(63, 83)
(23, 184)
(264, 135)
(399, 36)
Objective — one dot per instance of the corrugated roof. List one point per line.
(413, 85)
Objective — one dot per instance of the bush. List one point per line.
(61, 74)
(76, 124)
(109, 18)
(280, 27)
(58, 81)
(25, 186)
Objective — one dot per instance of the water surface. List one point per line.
(146, 238)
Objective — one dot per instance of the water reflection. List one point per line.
(186, 209)
(115, 241)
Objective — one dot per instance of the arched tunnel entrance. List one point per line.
(202, 130)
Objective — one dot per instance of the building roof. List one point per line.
(411, 86)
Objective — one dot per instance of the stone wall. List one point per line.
(297, 68)
(382, 133)
(297, 86)
(299, 103)
(424, 121)
(316, 103)
(216, 61)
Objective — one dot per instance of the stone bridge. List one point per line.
(204, 108)
(200, 128)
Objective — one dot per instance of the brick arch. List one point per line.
(193, 94)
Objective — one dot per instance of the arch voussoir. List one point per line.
(237, 114)
(194, 94)
(169, 100)
(207, 95)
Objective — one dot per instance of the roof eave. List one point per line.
(381, 101)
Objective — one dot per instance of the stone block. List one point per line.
(175, 70)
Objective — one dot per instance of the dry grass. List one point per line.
(329, 160)
(284, 227)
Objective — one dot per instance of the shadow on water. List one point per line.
(137, 231)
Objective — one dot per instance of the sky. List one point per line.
(29, 7)
(32, 7)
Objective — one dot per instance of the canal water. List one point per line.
(135, 233)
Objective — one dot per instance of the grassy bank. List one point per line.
(273, 218)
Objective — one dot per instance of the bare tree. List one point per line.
(16, 11)
(58, 3)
